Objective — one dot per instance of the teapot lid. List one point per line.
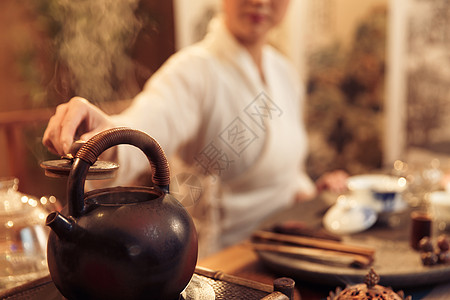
(61, 168)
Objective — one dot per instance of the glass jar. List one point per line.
(23, 235)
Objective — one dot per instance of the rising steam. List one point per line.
(94, 42)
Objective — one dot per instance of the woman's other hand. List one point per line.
(335, 182)
(76, 119)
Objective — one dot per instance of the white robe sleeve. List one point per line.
(169, 109)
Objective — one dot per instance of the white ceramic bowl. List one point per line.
(347, 216)
(382, 192)
(376, 182)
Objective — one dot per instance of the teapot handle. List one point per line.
(89, 152)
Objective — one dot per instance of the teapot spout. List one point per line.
(61, 225)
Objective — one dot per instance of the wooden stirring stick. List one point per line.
(354, 260)
(314, 243)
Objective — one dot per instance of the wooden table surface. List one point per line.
(240, 260)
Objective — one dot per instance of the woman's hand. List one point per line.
(335, 181)
(76, 119)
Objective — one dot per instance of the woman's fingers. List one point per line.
(77, 112)
(53, 130)
(62, 127)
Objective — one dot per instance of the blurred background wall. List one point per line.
(417, 81)
(52, 50)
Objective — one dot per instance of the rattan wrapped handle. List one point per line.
(91, 150)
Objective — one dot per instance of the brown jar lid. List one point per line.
(370, 289)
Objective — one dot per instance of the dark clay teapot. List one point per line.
(122, 242)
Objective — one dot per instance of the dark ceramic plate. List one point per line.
(398, 265)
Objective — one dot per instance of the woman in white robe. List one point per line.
(230, 107)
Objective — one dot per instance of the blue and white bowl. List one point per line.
(382, 192)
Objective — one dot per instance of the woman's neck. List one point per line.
(253, 42)
(255, 50)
